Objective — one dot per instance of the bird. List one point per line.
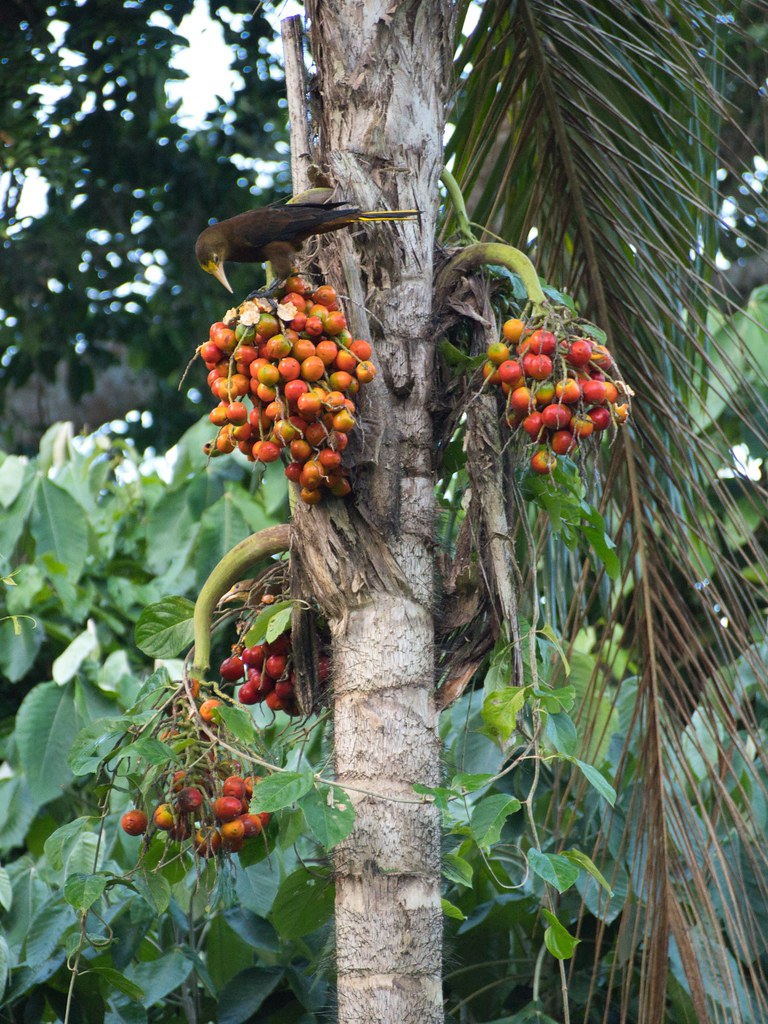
(275, 233)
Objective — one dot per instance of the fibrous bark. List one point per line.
(382, 71)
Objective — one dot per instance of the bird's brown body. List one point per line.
(275, 233)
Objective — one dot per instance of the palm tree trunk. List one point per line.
(382, 70)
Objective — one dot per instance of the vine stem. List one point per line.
(499, 255)
(229, 570)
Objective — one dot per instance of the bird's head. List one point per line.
(211, 255)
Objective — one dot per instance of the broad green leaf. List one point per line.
(549, 633)
(470, 782)
(450, 910)
(561, 733)
(589, 865)
(554, 701)
(159, 977)
(149, 749)
(45, 725)
(278, 624)
(68, 663)
(5, 963)
(303, 903)
(240, 1000)
(558, 939)
(281, 612)
(60, 527)
(20, 642)
(553, 868)
(155, 889)
(239, 723)
(501, 708)
(113, 979)
(93, 743)
(58, 843)
(46, 931)
(82, 891)
(12, 472)
(281, 790)
(457, 870)
(257, 887)
(226, 952)
(598, 780)
(329, 813)
(165, 629)
(488, 818)
(6, 890)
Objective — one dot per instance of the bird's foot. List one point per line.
(266, 294)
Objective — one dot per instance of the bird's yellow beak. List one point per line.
(217, 269)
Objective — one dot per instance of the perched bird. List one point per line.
(275, 233)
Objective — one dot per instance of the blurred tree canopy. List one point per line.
(102, 301)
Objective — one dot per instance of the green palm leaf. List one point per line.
(588, 134)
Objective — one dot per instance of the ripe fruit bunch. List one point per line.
(266, 673)
(561, 386)
(203, 810)
(285, 381)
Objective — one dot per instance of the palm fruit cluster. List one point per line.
(206, 808)
(285, 375)
(561, 386)
(266, 674)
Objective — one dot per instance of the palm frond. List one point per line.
(588, 132)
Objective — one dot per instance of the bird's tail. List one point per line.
(374, 215)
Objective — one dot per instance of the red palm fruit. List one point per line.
(316, 434)
(275, 665)
(134, 823)
(234, 786)
(335, 323)
(579, 352)
(280, 645)
(218, 416)
(294, 389)
(311, 496)
(207, 842)
(329, 459)
(343, 421)
(556, 417)
(541, 342)
(293, 471)
(253, 657)
(327, 351)
(511, 372)
(520, 399)
(582, 426)
(340, 379)
(246, 354)
(365, 372)
(210, 353)
(310, 406)
(314, 326)
(300, 450)
(533, 424)
(207, 709)
(545, 393)
(491, 372)
(189, 799)
(233, 835)
(274, 702)
(611, 392)
(284, 688)
(313, 368)
(251, 825)
(362, 349)
(249, 694)
(325, 295)
(594, 391)
(267, 326)
(601, 417)
(231, 669)
(289, 368)
(163, 817)
(268, 451)
(345, 361)
(543, 461)
(536, 366)
(562, 441)
(497, 352)
(226, 808)
(567, 391)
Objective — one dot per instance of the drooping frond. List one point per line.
(588, 133)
